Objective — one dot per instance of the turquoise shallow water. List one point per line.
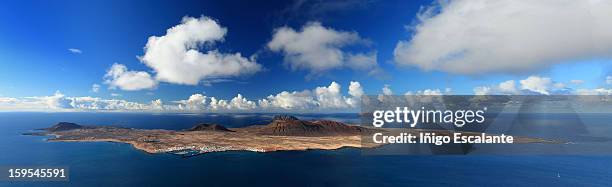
(115, 164)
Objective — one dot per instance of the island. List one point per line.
(283, 133)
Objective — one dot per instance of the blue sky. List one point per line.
(36, 36)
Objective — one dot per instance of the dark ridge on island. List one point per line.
(286, 125)
(284, 117)
(63, 126)
(209, 127)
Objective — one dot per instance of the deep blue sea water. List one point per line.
(116, 164)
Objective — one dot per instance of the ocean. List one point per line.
(117, 164)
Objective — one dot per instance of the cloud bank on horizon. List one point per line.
(329, 98)
(323, 98)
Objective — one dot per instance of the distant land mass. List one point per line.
(63, 126)
(284, 133)
(209, 127)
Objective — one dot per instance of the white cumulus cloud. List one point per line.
(537, 84)
(118, 76)
(330, 96)
(355, 89)
(195, 102)
(531, 85)
(321, 98)
(507, 87)
(241, 103)
(176, 56)
(295, 100)
(319, 49)
(386, 90)
(95, 88)
(483, 36)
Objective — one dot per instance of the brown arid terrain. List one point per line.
(284, 133)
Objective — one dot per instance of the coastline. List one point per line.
(283, 133)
